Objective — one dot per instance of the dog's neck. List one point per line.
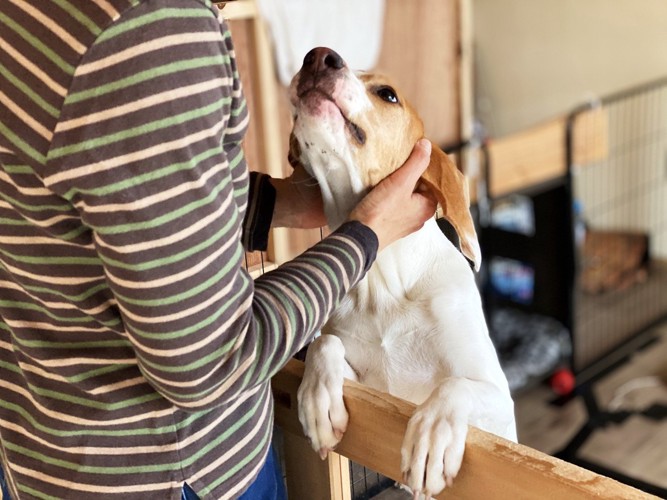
(411, 262)
(341, 188)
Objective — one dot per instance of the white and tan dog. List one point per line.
(414, 326)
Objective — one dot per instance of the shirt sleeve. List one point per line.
(148, 150)
(259, 214)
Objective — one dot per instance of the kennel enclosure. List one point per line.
(620, 290)
(621, 285)
(594, 247)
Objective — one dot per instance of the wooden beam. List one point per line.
(538, 154)
(492, 467)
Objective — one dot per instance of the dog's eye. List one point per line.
(387, 94)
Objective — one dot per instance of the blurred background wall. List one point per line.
(536, 59)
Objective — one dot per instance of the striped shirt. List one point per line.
(135, 350)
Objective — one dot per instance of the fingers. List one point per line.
(415, 165)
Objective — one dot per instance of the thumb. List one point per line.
(415, 165)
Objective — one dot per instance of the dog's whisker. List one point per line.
(308, 182)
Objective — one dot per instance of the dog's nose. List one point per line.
(323, 58)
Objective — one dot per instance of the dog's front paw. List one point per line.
(322, 412)
(433, 446)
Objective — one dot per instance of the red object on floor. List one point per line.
(562, 382)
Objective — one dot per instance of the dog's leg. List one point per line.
(434, 441)
(322, 412)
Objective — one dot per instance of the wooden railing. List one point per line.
(493, 468)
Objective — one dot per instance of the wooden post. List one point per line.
(309, 477)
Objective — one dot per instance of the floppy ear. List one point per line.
(451, 189)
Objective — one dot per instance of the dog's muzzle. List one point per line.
(322, 68)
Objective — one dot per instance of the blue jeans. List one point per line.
(268, 485)
(3, 485)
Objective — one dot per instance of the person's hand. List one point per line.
(399, 204)
(298, 201)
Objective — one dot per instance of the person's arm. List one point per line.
(293, 202)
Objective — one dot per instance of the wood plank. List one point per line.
(527, 158)
(420, 53)
(492, 467)
(537, 155)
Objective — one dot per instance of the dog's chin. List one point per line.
(324, 108)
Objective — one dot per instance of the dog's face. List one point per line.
(351, 130)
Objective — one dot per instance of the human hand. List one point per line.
(298, 201)
(399, 204)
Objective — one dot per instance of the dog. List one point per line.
(414, 326)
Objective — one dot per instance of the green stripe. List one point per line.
(35, 493)
(37, 44)
(18, 169)
(21, 145)
(146, 75)
(243, 461)
(153, 17)
(85, 295)
(140, 130)
(15, 222)
(40, 102)
(259, 349)
(11, 367)
(90, 432)
(90, 403)
(35, 208)
(72, 345)
(74, 233)
(240, 110)
(232, 430)
(229, 302)
(51, 261)
(84, 20)
(138, 180)
(215, 279)
(212, 196)
(139, 469)
(212, 356)
(105, 370)
(328, 270)
(26, 306)
(260, 340)
(178, 257)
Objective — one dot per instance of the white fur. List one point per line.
(413, 327)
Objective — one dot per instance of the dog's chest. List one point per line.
(393, 347)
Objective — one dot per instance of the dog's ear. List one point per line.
(451, 189)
